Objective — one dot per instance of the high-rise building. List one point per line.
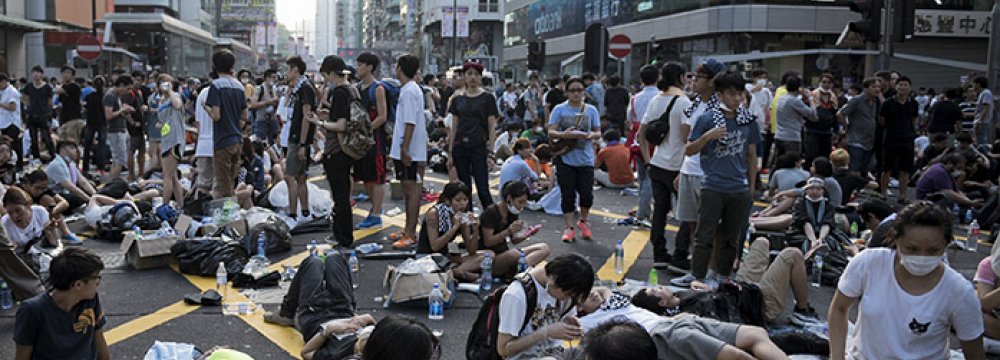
(326, 27)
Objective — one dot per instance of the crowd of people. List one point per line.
(692, 144)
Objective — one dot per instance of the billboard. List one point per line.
(239, 19)
(553, 18)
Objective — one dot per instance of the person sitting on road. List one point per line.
(498, 223)
(27, 223)
(988, 291)
(65, 178)
(541, 164)
(392, 338)
(850, 183)
(877, 216)
(821, 168)
(8, 163)
(503, 146)
(66, 322)
(938, 180)
(516, 168)
(788, 172)
(445, 222)
(36, 183)
(617, 158)
(562, 282)
(813, 214)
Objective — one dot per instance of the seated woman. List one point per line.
(988, 291)
(616, 157)
(498, 223)
(788, 172)
(814, 214)
(26, 223)
(445, 222)
(8, 164)
(516, 168)
(36, 183)
(250, 178)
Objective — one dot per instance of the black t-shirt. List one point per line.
(931, 152)
(445, 95)
(340, 101)
(899, 117)
(135, 126)
(554, 97)
(55, 334)
(946, 114)
(616, 103)
(39, 99)
(305, 95)
(95, 110)
(70, 101)
(826, 113)
(849, 183)
(473, 117)
(491, 218)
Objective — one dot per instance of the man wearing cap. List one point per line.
(813, 212)
(335, 162)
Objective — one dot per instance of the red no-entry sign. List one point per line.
(620, 46)
(89, 48)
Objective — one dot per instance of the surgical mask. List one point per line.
(512, 209)
(165, 86)
(814, 200)
(245, 81)
(539, 129)
(723, 107)
(919, 265)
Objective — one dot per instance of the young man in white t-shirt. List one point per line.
(409, 142)
(563, 282)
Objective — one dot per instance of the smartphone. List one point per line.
(533, 230)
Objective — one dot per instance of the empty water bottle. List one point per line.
(221, 279)
(619, 258)
(6, 297)
(352, 261)
(972, 238)
(369, 248)
(522, 262)
(486, 280)
(138, 232)
(435, 302)
(312, 248)
(817, 272)
(957, 211)
(166, 229)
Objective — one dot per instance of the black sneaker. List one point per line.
(661, 261)
(805, 317)
(679, 265)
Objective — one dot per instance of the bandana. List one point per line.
(713, 103)
(616, 301)
(743, 117)
(445, 213)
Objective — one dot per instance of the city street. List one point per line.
(147, 306)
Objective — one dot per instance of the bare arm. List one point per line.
(492, 120)
(837, 316)
(23, 352)
(313, 345)
(213, 112)
(989, 296)
(9, 106)
(694, 147)
(438, 240)
(380, 105)
(508, 345)
(973, 349)
(491, 238)
(643, 144)
(103, 352)
(752, 167)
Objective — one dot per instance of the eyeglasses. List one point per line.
(575, 90)
(689, 76)
(95, 277)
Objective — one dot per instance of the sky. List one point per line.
(292, 12)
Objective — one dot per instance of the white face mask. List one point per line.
(919, 265)
(165, 86)
(539, 129)
(723, 107)
(512, 209)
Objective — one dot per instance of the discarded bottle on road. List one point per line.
(6, 296)
(619, 258)
(259, 263)
(166, 229)
(239, 308)
(369, 248)
(817, 272)
(522, 262)
(972, 238)
(138, 232)
(968, 216)
(352, 261)
(312, 248)
(486, 280)
(435, 309)
(221, 280)
(654, 277)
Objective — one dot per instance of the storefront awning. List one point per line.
(169, 24)
(23, 24)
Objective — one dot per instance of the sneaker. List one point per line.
(683, 281)
(569, 235)
(275, 318)
(70, 239)
(679, 265)
(584, 229)
(370, 222)
(360, 197)
(645, 224)
(805, 317)
(404, 242)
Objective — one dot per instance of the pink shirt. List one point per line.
(985, 274)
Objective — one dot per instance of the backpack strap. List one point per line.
(531, 298)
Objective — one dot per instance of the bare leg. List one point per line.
(755, 341)
(293, 201)
(904, 184)
(782, 208)
(154, 154)
(244, 193)
(729, 352)
(411, 194)
(277, 172)
(883, 182)
(171, 185)
(536, 253)
(798, 279)
(584, 213)
(568, 217)
(377, 193)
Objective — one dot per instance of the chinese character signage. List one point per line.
(447, 22)
(553, 18)
(943, 23)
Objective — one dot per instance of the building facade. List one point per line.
(479, 28)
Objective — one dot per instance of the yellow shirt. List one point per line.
(778, 93)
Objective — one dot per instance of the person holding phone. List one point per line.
(170, 122)
(500, 231)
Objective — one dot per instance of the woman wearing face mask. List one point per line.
(170, 116)
(813, 213)
(500, 222)
(908, 299)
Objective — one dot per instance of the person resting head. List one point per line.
(619, 340)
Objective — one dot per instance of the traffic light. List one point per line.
(905, 13)
(870, 24)
(595, 46)
(157, 52)
(657, 54)
(536, 55)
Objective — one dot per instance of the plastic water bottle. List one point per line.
(312, 248)
(522, 262)
(486, 280)
(968, 216)
(972, 238)
(352, 261)
(435, 308)
(44, 262)
(619, 258)
(166, 229)
(138, 232)
(817, 273)
(221, 279)
(6, 297)
(654, 277)
(854, 229)
(957, 211)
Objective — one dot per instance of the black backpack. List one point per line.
(482, 342)
(520, 107)
(657, 130)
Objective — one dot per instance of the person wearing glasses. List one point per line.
(580, 123)
(66, 322)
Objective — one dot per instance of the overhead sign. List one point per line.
(89, 48)
(947, 23)
(620, 46)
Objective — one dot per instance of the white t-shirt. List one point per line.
(759, 102)
(410, 110)
(670, 153)
(205, 142)
(8, 117)
(286, 128)
(547, 311)
(692, 163)
(618, 306)
(20, 237)
(893, 324)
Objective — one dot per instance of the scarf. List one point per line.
(743, 117)
(293, 96)
(445, 213)
(713, 103)
(617, 301)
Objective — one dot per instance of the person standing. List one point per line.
(664, 165)
(134, 124)
(637, 107)
(859, 116)
(302, 102)
(69, 99)
(595, 92)
(170, 112)
(532, 98)
(985, 127)
(792, 113)
(945, 117)
(760, 106)
(115, 111)
(263, 104)
(226, 104)
(335, 161)
(97, 126)
(473, 121)
(37, 97)
(817, 137)
(554, 96)
(10, 117)
(616, 101)
(898, 116)
(727, 140)
(371, 169)
(409, 144)
(580, 124)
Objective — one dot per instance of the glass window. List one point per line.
(3, 10)
(3, 48)
(489, 6)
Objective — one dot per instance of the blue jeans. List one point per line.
(645, 190)
(861, 159)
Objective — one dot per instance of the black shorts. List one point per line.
(371, 168)
(406, 173)
(173, 150)
(897, 156)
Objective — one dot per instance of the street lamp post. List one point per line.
(454, 32)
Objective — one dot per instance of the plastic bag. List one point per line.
(171, 351)
(202, 257)
(320, 202)
(275, 231)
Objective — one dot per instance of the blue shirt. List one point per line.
(565, 116)
(515, 169)
(596, 93)
(725, 162)
(228, 95)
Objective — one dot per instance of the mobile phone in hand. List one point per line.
(533, 230)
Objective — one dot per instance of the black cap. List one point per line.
(333, 63)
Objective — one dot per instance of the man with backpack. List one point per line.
(534, 322)
(264, 104)
(380, 100)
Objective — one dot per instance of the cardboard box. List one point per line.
(150, 252)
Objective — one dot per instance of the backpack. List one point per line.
(657, 130)
(116, 221)
(521, 107)
(391, 99)
(482, 341)
(357, 140)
